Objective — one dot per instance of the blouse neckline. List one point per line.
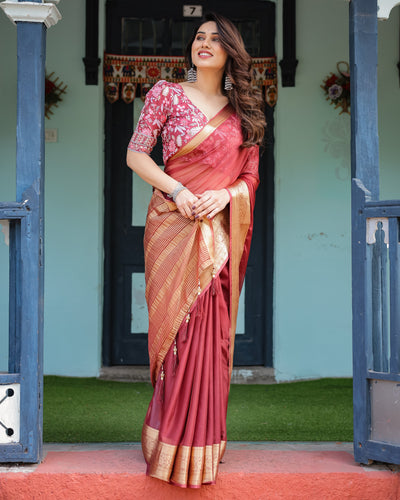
(198, 109)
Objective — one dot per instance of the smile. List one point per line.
(205, 54)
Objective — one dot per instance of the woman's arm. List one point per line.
(149, 171)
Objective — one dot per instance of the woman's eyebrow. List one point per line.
(203, 33)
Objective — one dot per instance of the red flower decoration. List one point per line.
(49, 87)
(337, 87)
(53, 89)
(331, 81)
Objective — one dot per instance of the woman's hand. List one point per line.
(185, 200)
(210, 203)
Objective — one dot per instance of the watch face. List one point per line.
(192, 10)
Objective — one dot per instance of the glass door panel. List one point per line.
(143, 36)
(240, 323)
(139, 316)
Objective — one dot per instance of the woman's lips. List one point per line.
(204, 53)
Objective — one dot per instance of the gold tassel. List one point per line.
(199, 311)
(162, 383)
(176, 358)
(183, 332)
(213, 290)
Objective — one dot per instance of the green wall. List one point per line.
(8, 94)
(312, 302)
(312, 275)
(312, 319)
(73, 196)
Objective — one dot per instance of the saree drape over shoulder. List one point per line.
(194, 272)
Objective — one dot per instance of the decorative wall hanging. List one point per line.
(127, 77)
(337, 87)
(53, 91)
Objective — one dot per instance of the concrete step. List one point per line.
(309, 471)
(240, 374)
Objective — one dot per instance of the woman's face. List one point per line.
(207, 51)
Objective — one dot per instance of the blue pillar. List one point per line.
(26, 215)
(30, 187)
(365, 187)
(364, 103)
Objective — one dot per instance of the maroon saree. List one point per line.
(194, 272)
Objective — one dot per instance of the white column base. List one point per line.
(31, 12)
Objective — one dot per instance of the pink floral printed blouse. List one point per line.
(169, 110)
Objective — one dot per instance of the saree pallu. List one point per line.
(194, 271)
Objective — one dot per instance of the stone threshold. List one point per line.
(309, 471)
(240, 374)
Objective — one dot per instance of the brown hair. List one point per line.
(245, 99)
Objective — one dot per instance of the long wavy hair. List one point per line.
(245, 99)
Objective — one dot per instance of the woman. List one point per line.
(197, 240)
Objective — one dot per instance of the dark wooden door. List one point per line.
(155, 27)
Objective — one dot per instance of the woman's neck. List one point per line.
(209, 82)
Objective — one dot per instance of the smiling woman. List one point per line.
(197, 241)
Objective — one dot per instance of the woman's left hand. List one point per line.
(210, 203)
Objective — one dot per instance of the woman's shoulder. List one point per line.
(164, 97)
(165, 88)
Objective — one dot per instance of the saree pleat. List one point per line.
(184, 434)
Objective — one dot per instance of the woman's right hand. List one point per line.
(185, 200)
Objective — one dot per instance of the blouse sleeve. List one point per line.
(154, 114)
(251, 166)
(250, 170)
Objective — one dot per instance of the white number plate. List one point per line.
(192, 10)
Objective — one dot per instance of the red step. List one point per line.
(86, 473)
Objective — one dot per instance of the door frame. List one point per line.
(262, 250)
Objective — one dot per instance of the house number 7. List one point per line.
(192, 10)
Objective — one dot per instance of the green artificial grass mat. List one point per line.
(91, 410)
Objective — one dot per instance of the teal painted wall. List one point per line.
(74, 207)
(8, 120)
(312, 305)
(312, 319)
(73, 196)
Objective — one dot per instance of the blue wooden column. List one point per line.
(365, 185)
(23, 383)
(364, 102)
(375, 259)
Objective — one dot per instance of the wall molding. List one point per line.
(31, 12)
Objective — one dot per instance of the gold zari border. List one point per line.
(188, 466)
(240, 220)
